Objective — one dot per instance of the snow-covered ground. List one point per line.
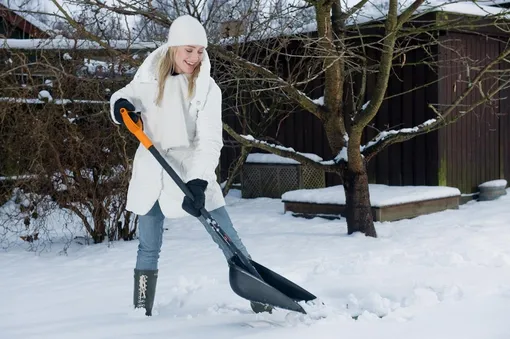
(445, 275)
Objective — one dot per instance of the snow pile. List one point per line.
(276, 159)
(45, 96)
(380, 195)
(494, 183)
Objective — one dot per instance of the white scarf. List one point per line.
(172, 116)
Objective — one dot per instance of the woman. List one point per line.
(180, 107)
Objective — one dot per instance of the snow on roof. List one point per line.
(22, 12)
(378, 10)
(292, 22)
(493, 2)
(66, 44)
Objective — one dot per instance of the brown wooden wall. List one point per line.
(413, 162)
(504, 125)
(474, 149)
(470, 148)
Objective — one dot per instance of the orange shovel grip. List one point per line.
(135, 128)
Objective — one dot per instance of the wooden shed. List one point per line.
(465, 154)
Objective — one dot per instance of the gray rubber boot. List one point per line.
(145, 289)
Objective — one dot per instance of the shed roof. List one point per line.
(295, 22)
(23, 18)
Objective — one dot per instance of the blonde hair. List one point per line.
(166, 67)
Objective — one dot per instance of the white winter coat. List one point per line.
(198, 154)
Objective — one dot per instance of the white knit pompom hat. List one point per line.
(186, 30)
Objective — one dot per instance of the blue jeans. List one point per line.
(150, 235)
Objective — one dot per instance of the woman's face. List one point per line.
(187, 58)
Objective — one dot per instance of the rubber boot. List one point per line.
(145, 289)
(259, 308)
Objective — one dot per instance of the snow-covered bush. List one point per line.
(60, 140)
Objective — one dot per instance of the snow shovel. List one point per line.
(248, 279)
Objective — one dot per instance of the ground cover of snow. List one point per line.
(441, 276)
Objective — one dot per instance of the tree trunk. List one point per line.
(359, 211)
(236, 168)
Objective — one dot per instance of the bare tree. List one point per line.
(342, 46)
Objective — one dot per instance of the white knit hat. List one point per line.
(186, 30)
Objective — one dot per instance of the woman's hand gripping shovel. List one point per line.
(248, 279)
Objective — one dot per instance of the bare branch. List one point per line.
(384, 139)
(404, 17)
(269, 77)
(281, 151)
(345, 15)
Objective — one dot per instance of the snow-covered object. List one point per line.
(494, 183)
(164, 126)
(492, 190)
(44, 95)
(92, 66)
(276, 159)
(54, 101)
(380, 195)
(384, 134)
(71, 44)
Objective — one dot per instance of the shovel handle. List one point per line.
(136, 128)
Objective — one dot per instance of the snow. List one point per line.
(440, 276)
(65, 43)
(22, 8)
(291, 22)
(494, 183)
(54, 101)
(385, 134)
(16, 177)
(380, 195)
(319, 101)
(276, 159)
(93, 66)
(44, 95)
(375, 10)
(342, 155)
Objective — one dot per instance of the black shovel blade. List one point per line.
(250, 287)
(282, 284)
